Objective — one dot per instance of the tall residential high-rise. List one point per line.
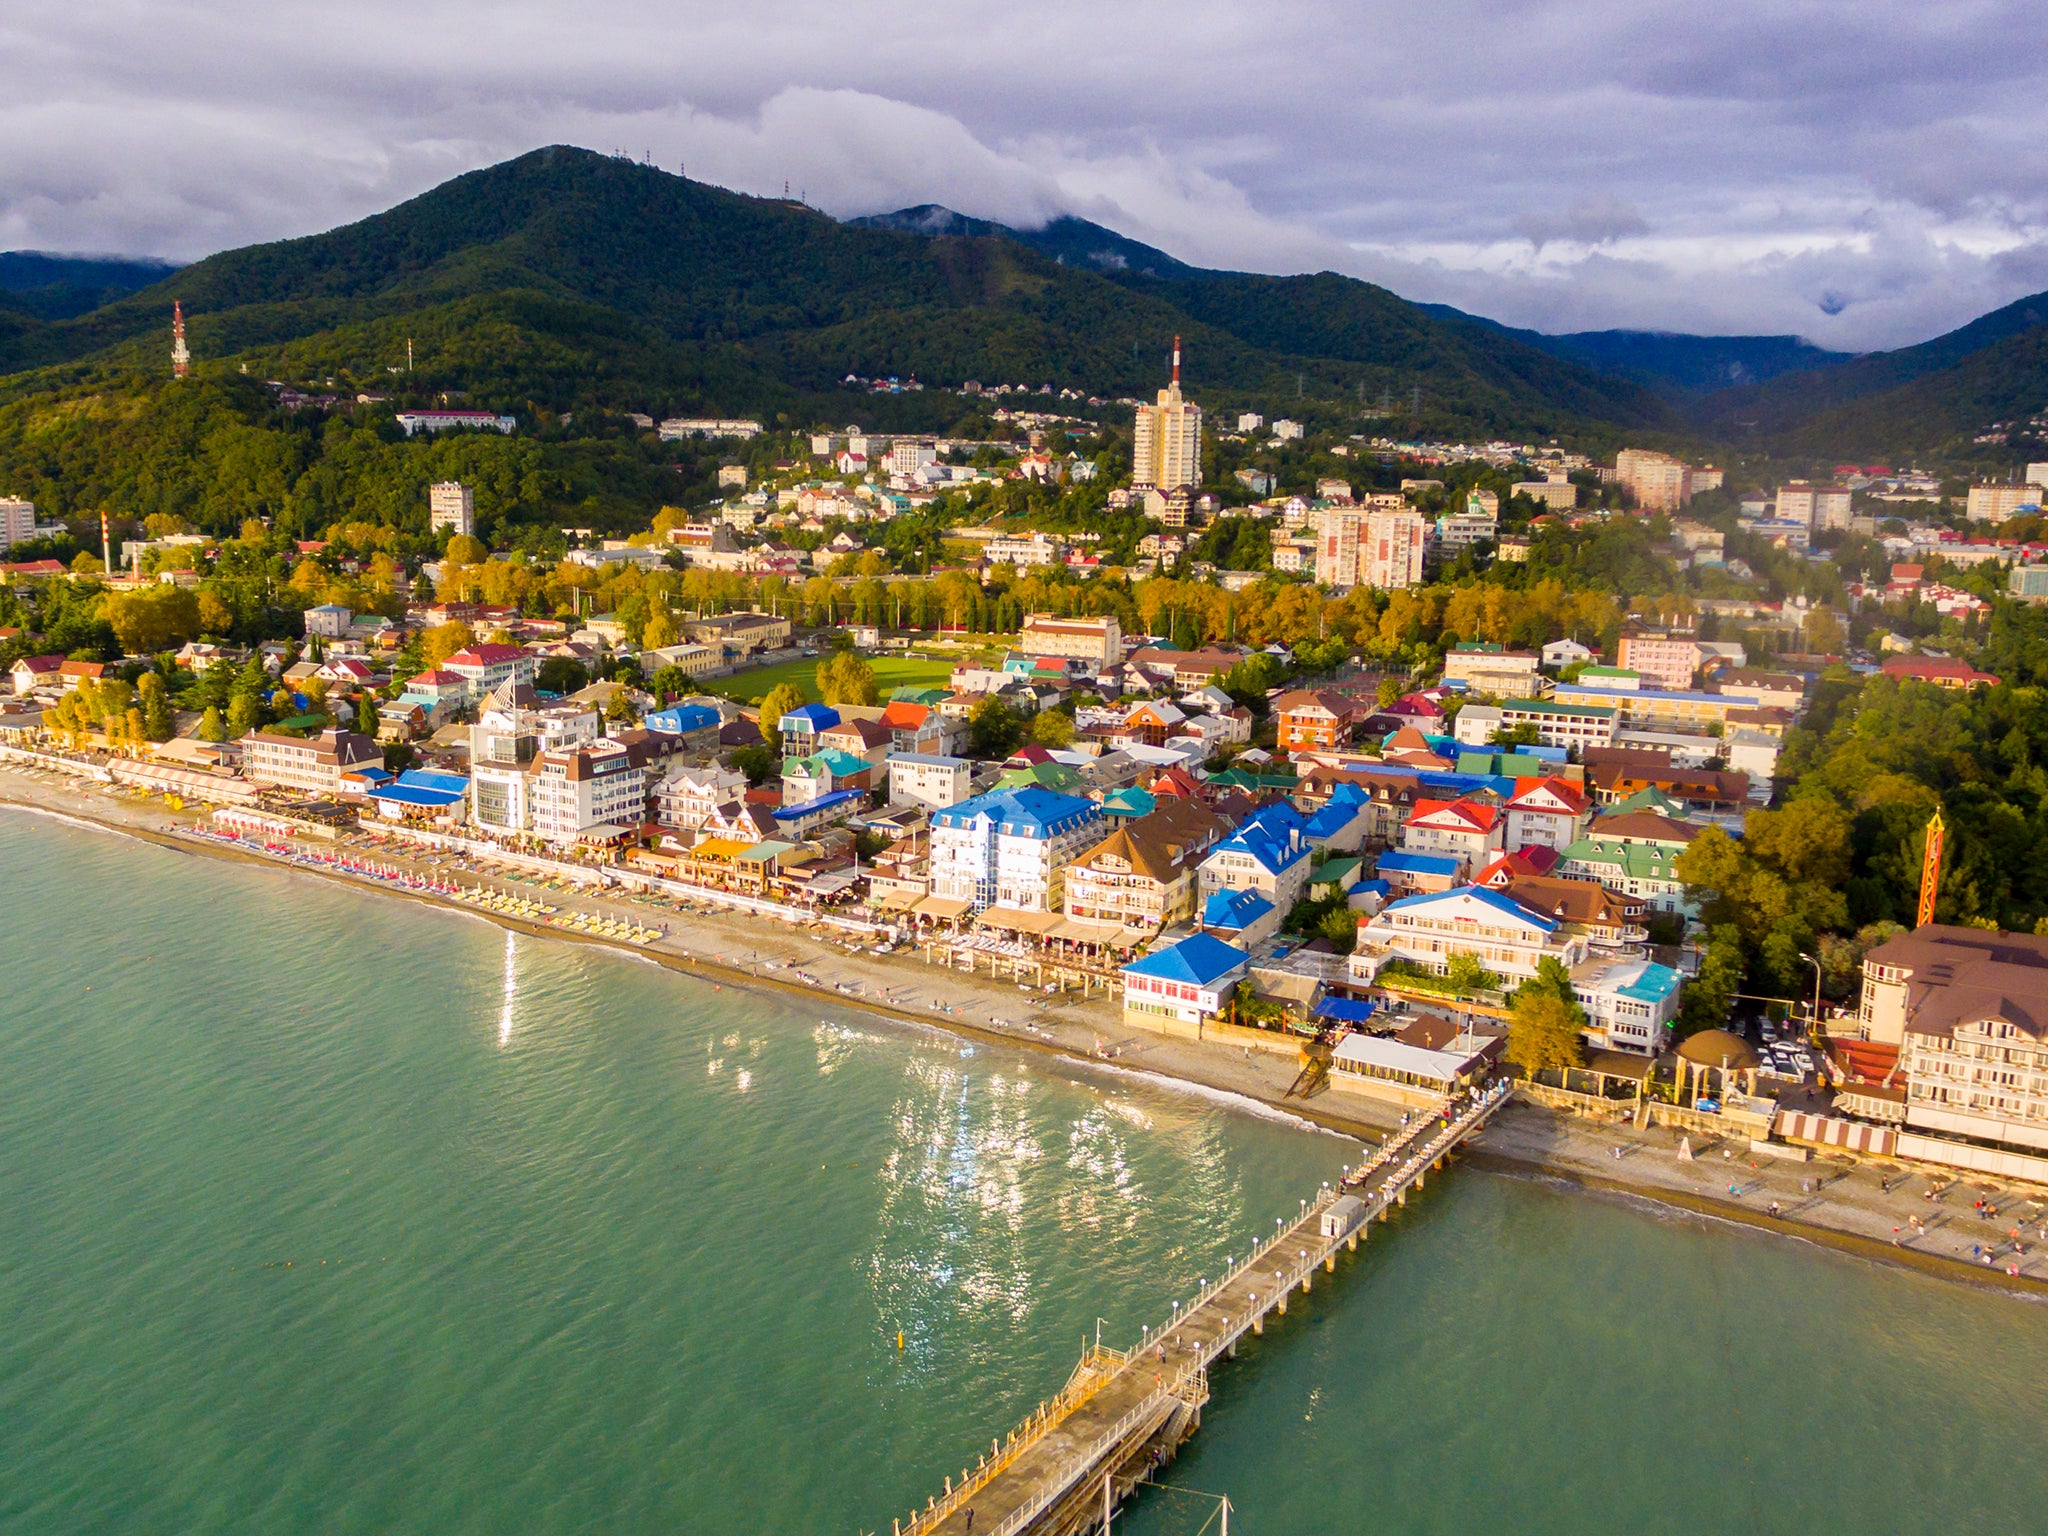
(1657, 481)
(1167, 453)
(181, 355)
(451, 505)
(1373, 546)
(17, 521)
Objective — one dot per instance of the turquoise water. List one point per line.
(323, 1212)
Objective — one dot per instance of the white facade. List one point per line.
(1509, 674)
(687, 797)
(992, 862)
(594, 789)
(907, 456)
(917, 778)
(486, 668)
(1629, 1004)
(1430, 931)
(17, 521)
(451, 505)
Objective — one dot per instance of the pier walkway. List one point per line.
(1123, 1413)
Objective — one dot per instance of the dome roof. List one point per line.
(1716, 1048)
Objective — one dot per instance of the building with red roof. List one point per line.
(1942, 671)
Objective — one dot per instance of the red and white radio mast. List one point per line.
(181, 355)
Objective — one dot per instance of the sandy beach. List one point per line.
(1924, 1222)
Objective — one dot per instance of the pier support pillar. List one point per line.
(1233, 1349)
(1281, 1305)
(1351, 1242)
(1259, 1324)
(1400, 1197)
(1305, 1279)
(1330, 1262)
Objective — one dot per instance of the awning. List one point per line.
(899, 899)
(942, 906)
(1091, 930)
(1015, 920)
(1344, 1010)
(831, 883)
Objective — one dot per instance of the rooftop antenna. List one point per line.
(408, 354)
(181, 355)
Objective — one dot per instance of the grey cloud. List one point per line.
(1591, 221)
(1635, 162)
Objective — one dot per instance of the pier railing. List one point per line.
(1190, 1388)
(1090, 1376)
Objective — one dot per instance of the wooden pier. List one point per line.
(1124, 1413)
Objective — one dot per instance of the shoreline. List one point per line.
(1515, 1146)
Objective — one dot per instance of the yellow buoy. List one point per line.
(899, 1338)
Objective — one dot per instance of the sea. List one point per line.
(327, 1212)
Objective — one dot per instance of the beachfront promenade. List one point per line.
(1123, 1413)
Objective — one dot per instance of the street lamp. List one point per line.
(1809, 959)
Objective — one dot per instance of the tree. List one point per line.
(1543, 1032)
(993, 727)
(845, 678)
(155, 702)
(366, 714)
(245, 713)
(1340, 927)
(153, 618)
(562, 675)
(215, 616)
(1468, 974)
(660, 632)
(1052, 729)
(782, 698)
(670, 682)
(758, 763)
(444, 640)
(465, 549)
(211, 726)
(619, 707)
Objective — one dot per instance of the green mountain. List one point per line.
(571, 279)
(1672, 360)
(1070, 241)
(49, 287)
(1937, 396)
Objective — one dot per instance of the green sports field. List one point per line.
(891, 672)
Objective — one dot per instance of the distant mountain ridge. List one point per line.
(568, 278)
(1781, 391)
(1070, 241)
(49, 286)
(1674, 360)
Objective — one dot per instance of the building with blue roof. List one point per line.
(1269, 853)
(1629, 1004)
(800, 727)
(421, 794)
(1412, 874)
(807, 816)
(1243, 918)
(1179, 989)
(1430, 931)
(1341, 823)
(1010, 847)
(683, 720)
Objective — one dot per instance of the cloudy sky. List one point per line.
(1865, 173)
